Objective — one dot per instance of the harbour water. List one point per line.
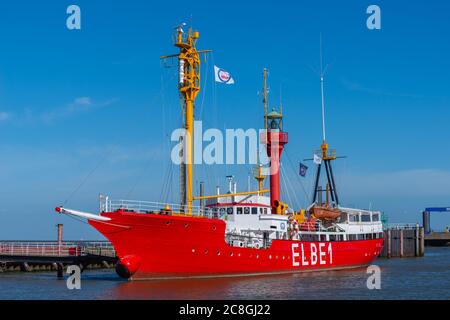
(425, 277)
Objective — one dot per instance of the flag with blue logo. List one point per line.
(303, 169)
(222, 76)
(317, 159)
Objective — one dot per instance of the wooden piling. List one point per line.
(417, 241)
(60, 270)
(25, 267)
(401, 243)
(389, 243)
(422, 242)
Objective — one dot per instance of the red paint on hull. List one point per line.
(181, 246)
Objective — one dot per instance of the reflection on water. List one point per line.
(412, 278)
(292, 286)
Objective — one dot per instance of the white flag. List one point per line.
(222, 76)
(317, 159)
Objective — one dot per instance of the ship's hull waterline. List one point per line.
(153, 246)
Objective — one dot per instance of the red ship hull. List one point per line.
(165, 246)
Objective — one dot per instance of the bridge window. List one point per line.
(239, 210)
(353, 218)
(265, 210)
(375, 217)
(230, 210)
(254, 210)
(365, 218)
(246, 210)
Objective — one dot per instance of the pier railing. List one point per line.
(404, 226)
(55, 249)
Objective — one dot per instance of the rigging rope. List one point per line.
(298, 177)
(295, 193)
(283, 178)
(87, 177)
(144, 170)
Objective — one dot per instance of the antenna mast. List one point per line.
(326, 155)
(265, 97)
(321, 90)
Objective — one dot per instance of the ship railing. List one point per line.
(331, 153)
(311, 226)
(332, 228)
(53, 248)
(139, 206)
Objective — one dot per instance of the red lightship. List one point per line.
(235, 233)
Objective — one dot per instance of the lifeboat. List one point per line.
(325, 213)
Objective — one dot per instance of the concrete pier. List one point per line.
(437, 239)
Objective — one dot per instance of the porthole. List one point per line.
(186, 225)
(206, 251)
(218, 253)
(214, 227)
(270, 256)
(193, 250)
(257, 256)
(167, 222)
(231, 254)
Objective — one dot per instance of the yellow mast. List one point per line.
(260, 178)
(258, 170)
(189, 87)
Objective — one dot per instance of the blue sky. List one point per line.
(99, 98)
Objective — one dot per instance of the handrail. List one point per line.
(139, 206)
(36, 248)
